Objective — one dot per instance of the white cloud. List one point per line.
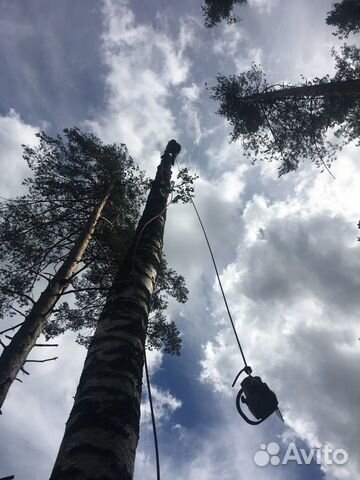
(230, 41)
(234, 46)
(49, 392)
(264, 6)
(164, 404)
(286, 249)
(144, 65)
(221, 452)
(13, 133)
(191, 93)
(293, 290)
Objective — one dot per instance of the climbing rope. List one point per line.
(153, 419)
(261, 401)
(220, 284)
(218, 279)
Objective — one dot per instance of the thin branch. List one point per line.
(75, 274)
(18, 379)
(316, 145)
(11, 328)
(108, 221)
(85, 289)
(47, 252)
(24, 371)
(42, 275)
(104, 252)
(46, 345)
(18, 311)
(17, 293)
(41, 361)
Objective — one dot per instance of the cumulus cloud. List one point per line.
(264, 6)
(164, 405)
(49, 392)
(144, 66)
(293, 290)
(222, 451)
(286, 249)
(234, 46)
(13, 133)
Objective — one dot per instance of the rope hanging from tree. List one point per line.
(261, 401)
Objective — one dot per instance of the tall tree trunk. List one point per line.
(330, 89)
(102, 432)
(15, 354)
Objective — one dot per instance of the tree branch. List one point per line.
(84, 290)
(17, 293)
(108, 221)
(17, 311)
(41, 361)
(11, 328)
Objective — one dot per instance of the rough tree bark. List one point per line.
(102, 432)
(15, 354)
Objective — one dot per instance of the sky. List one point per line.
(287, 250)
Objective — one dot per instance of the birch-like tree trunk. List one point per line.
(15, 354)
(102, 432)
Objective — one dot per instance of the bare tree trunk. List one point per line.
(15, 354)
(330, 89)
(102, 432)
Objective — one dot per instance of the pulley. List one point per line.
(260, 400)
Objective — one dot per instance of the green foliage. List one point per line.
(217, 10)
(70, 175)
(91, 291)
(345, 16)
(182, 190)
(313, 120)
(38, 229)
(163, 335)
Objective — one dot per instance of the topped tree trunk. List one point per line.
(102, 432)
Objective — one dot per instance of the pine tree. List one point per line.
(291, 123)
(102, 432)
(345, 16)
(49, 226)
(217, 10)
(47, 233)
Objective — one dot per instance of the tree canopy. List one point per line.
(91, 291)
(70, 174)
(217, 10)
(313, 120)
(69, 177)
(345, 16)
